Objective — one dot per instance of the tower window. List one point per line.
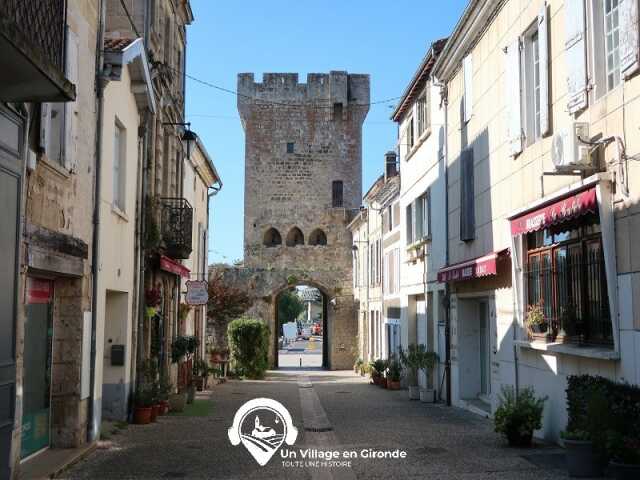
(290, 147)
(336, 194)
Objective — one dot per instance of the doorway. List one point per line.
(475, 351)
(38, 336)
(301, 326)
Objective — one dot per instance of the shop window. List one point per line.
(566, 279)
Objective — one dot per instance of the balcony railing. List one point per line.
(177, 226)
(41, 23)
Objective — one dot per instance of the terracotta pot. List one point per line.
(158, 409)
(376, 379)
(164, 406)
(393, 384)
(142, 415)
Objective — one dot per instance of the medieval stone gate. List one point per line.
(303, 185)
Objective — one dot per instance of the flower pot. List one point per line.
(581, 459)
(624, 471)
(427, 395)
(142, 415)
(191, 393)
(154, 413)
(177, 401)
(158, 409)
(414, 392)
(164, 406)
(519, 439)
(376, 379)
(393, 384)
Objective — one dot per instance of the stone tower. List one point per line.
(303, 184)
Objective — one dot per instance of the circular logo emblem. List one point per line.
(262, 425)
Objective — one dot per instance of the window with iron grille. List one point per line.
(566, 279)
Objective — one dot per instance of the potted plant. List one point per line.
(536, 322)
(143, 405)
(394, 373)
(427, 363)
(625, 456)
(357, 365)
(412, 360)
(165, 388)
(580, 454)
(155, 398)
(200, 373)
(377, 368)
(518, 415)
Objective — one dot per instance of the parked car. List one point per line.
(316, 329)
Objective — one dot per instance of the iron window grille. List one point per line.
(565, 275)
(177, 227)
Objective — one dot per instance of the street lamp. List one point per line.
(188, 137)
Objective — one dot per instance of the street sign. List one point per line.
(197, 292)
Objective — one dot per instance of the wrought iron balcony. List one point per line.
(32, 51)
(177, 226)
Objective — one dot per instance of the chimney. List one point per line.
(390, 165)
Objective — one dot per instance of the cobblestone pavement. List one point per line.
(441, 442)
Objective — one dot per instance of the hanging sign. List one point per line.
(197, 292)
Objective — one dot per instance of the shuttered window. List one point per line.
(467, 194)
(419, 218)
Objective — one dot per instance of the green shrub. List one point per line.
(394, 371)
(518, 414)
(608, 411)
(378, 366)
(249, 346)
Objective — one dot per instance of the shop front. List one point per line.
(478, 287)
(565, 291)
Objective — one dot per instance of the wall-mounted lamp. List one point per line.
(188, 137)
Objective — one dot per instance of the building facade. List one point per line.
(542, 198)
(128, 103)
(421, 144)
(48, 113)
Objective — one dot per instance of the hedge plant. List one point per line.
(249, 347)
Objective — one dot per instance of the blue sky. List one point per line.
(384, 38)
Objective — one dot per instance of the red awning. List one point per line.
(171, 266)
(559, 211)
(478, 267)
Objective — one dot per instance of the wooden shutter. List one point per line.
(629, 61)
(467, 214)
(514, 98)
(575, 54)
(467, 67)
(543, 62)
(409, 224)
(70, 144)
(427, 209)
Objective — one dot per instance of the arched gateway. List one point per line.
(300, 140)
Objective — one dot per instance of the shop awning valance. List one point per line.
(562, 210)
(171, 266)
(470, 269)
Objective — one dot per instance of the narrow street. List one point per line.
(440, 442)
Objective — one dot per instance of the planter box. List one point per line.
(414, 392)
(427, 395)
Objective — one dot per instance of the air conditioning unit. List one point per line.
(568, 152)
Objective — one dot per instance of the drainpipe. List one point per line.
(447, 293)
(92, 428)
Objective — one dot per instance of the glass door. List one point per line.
(38, 334)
